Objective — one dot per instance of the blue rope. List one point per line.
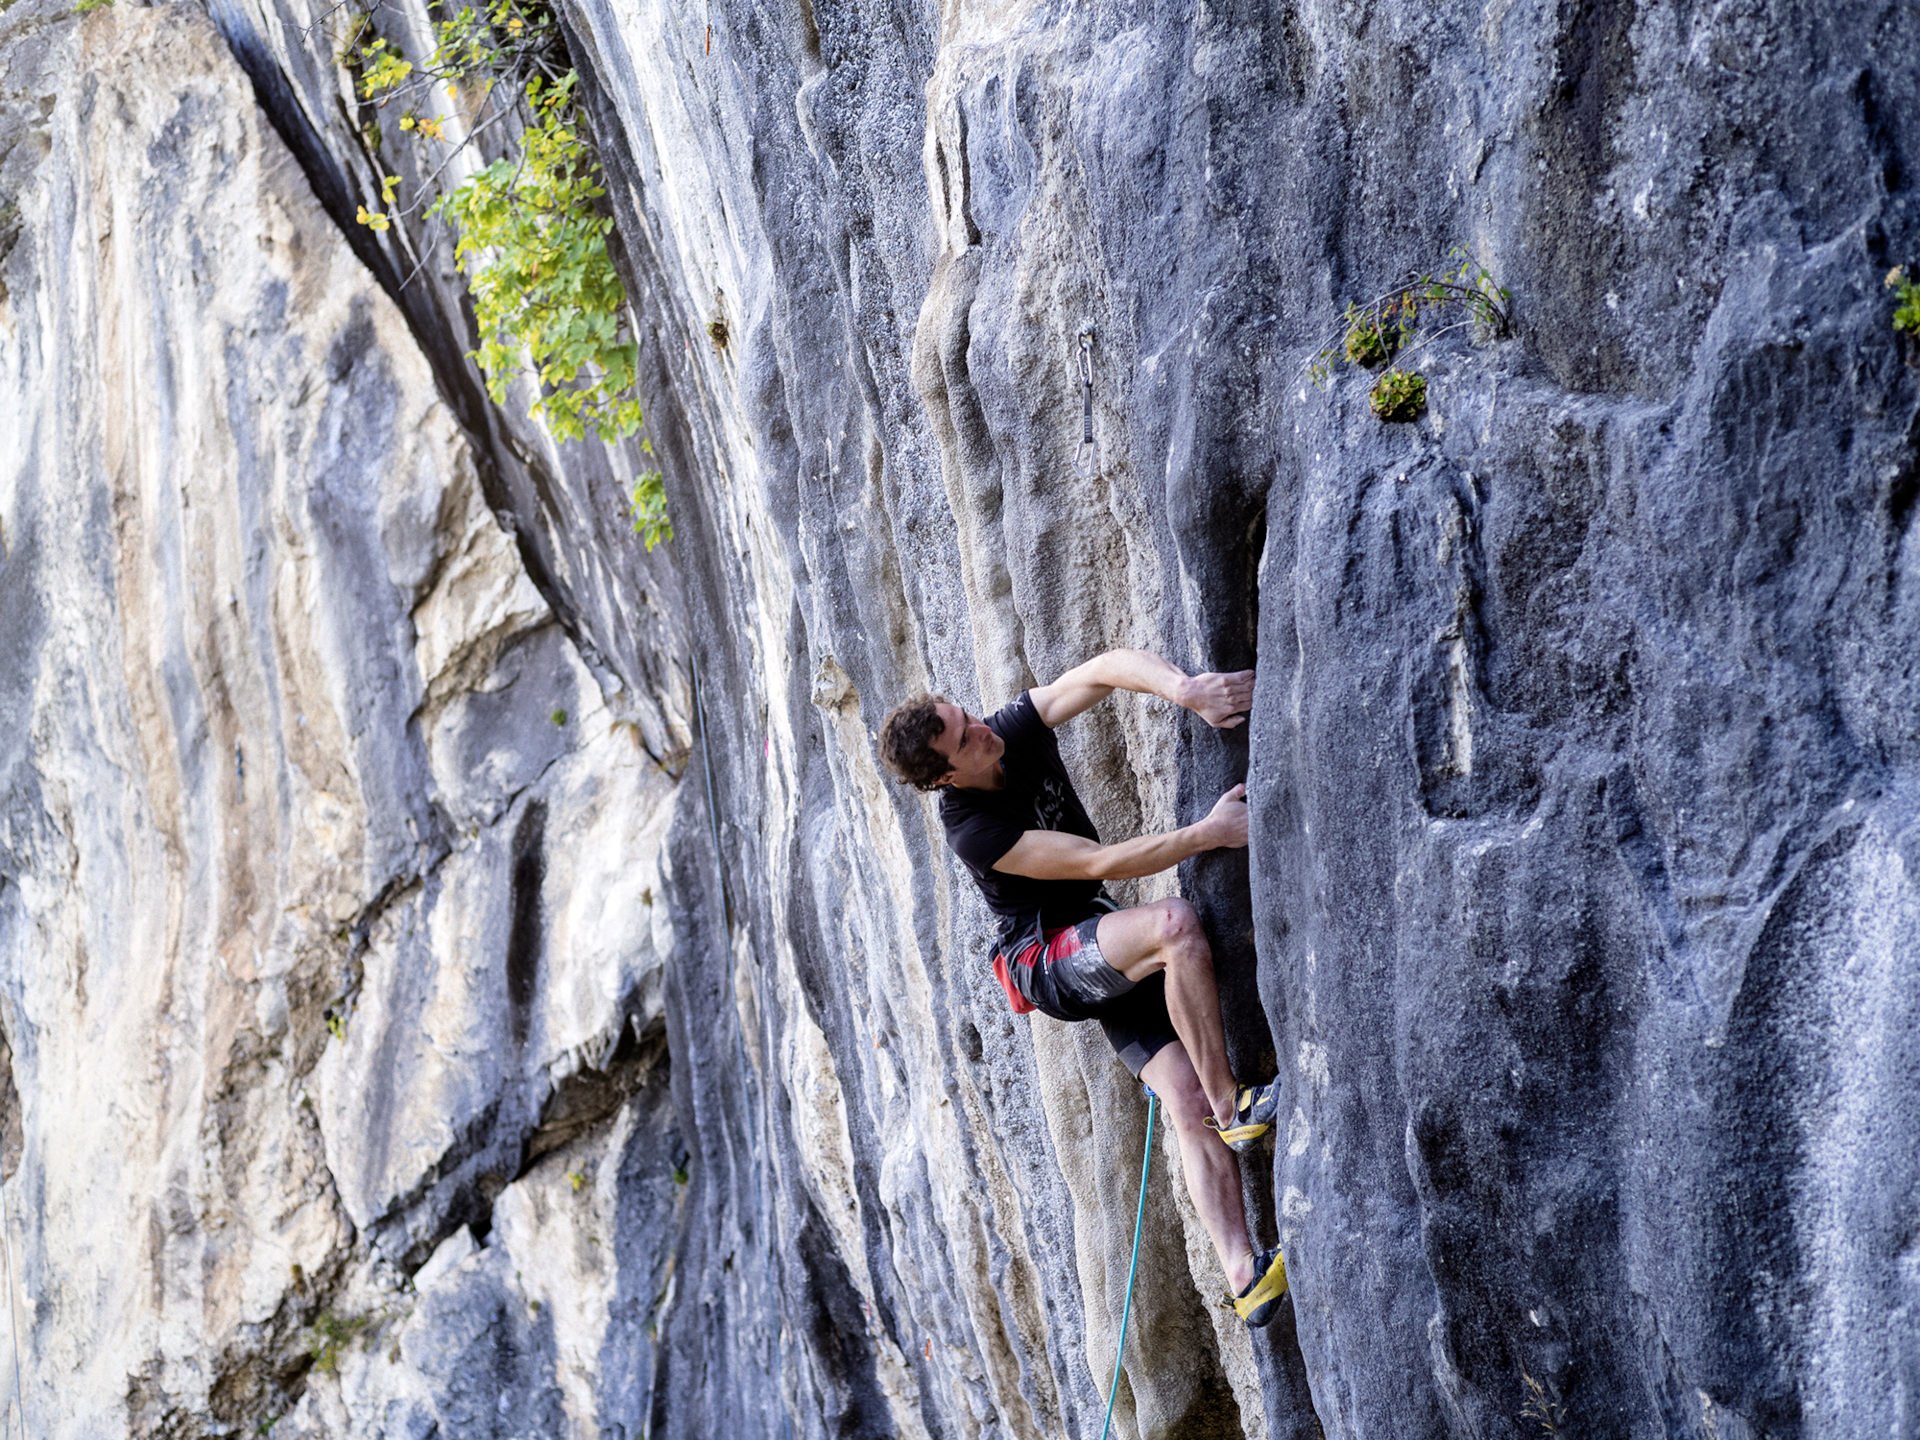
(1126, 1311)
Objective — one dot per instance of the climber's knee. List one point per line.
(1164, 935)
(1174, 922)
(1181, 938)
(1171, 1076)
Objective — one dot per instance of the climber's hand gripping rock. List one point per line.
(1221, 698)
(1227, 821)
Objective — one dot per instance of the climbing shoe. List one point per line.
(1260, 1301)
(1253, 1112)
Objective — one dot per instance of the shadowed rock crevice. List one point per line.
(591, 1097)
(456, 1192)
(12, 1130)
(828, 1309)
(527, 927)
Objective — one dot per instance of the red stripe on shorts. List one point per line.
(1055, 945)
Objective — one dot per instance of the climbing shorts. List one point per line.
(1062, 973)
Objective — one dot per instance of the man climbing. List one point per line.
(1146, 973)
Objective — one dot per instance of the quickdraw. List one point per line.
(1084, 456)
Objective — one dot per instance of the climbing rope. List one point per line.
(1126, 1310)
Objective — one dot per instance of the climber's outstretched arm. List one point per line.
(1056, 855)
(1221, 699)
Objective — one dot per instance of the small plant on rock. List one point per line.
(1376, 333)
(1906, 311)
(1398, 395)
(1366, 345)
(1541, 1408)
(648, 509)
(328, 1334)
(1390, 328)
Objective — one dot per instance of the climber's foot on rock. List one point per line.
(1260, 1300)
(1254, 1107)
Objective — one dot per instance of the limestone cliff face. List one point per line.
(461, 974)
(298, 765)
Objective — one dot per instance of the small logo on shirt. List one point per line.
(1050, 804)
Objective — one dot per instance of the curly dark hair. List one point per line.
(906, 742)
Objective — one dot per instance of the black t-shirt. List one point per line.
(983, 825)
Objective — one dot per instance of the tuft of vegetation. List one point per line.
(1906, 299)
(559, 717)
(1541, 1409)
(1398, 395)
(1375, 335)
(86, 7)
(531, 227)
(533, 248)
(1394, 326)
(647, 508)
(1906, 310)
(328, 1334)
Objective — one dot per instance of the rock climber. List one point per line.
(1146, 973)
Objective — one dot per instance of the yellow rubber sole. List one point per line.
(1257, 1306)
(1246, 1100)
(1238, 1135)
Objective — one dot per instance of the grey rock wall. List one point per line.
(299, 992)
(465, 1072)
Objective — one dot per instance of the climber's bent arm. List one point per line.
(1086, 685)
(1056, 855)
(1219, 699)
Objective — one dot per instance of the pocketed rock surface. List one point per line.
(464, 974)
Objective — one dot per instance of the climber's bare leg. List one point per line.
(1166, 935)
(1213, 1175)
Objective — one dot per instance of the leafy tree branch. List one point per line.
(531, 227)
